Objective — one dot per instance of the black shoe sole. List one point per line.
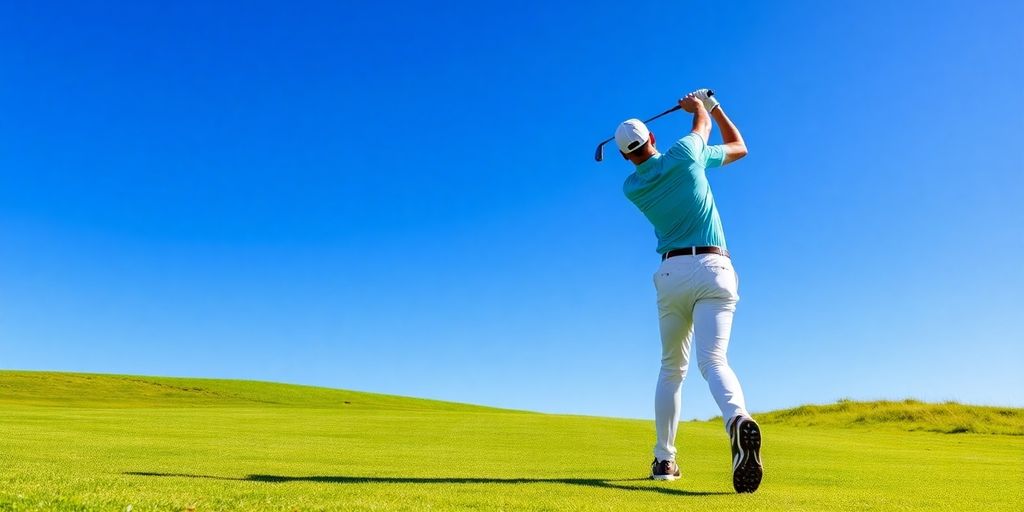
(746, 476)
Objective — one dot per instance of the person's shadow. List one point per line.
(588, 482)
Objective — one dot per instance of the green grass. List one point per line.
(100, 442)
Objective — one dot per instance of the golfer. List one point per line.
(696, 284)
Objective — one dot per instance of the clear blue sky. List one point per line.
(401, 197)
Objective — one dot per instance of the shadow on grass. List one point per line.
(587, 482)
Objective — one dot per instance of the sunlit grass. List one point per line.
(92, 442)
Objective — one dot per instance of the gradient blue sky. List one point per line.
(401, 197)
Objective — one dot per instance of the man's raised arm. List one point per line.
(701, 121)
(732, 141)
(735, 148)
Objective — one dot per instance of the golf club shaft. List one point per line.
(669, 111)
(599, 154)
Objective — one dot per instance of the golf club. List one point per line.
(599, 154)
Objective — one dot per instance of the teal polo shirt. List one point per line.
(672, 191)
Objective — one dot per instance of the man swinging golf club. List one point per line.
(696, 285)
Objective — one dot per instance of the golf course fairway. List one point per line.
(104, 442)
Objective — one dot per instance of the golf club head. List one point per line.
(599, 154)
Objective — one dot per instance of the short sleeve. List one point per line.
(714, 156)
(689, 147)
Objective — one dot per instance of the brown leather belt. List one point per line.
(693, 251)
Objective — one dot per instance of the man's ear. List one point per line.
(653, 139)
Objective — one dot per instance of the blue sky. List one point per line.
(401, 197)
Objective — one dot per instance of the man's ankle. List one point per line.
(732, 421)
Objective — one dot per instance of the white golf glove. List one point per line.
(706, 97)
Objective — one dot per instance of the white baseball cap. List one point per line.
(631, 135)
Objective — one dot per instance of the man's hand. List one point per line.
(690, 103)
(706, 97)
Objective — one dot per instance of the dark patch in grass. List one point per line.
(191, 389)
(588, 482)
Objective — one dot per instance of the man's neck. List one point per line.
(644, 158)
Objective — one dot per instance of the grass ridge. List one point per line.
(68, 389)
(71, 389)
(910, 414)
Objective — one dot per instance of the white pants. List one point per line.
(697, 296)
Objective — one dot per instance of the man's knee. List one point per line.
(712, 363)
(672, 373)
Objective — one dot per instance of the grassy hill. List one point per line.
(127, 391)
(104, 442)
(909, 415)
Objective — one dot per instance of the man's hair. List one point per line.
(640, 150)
